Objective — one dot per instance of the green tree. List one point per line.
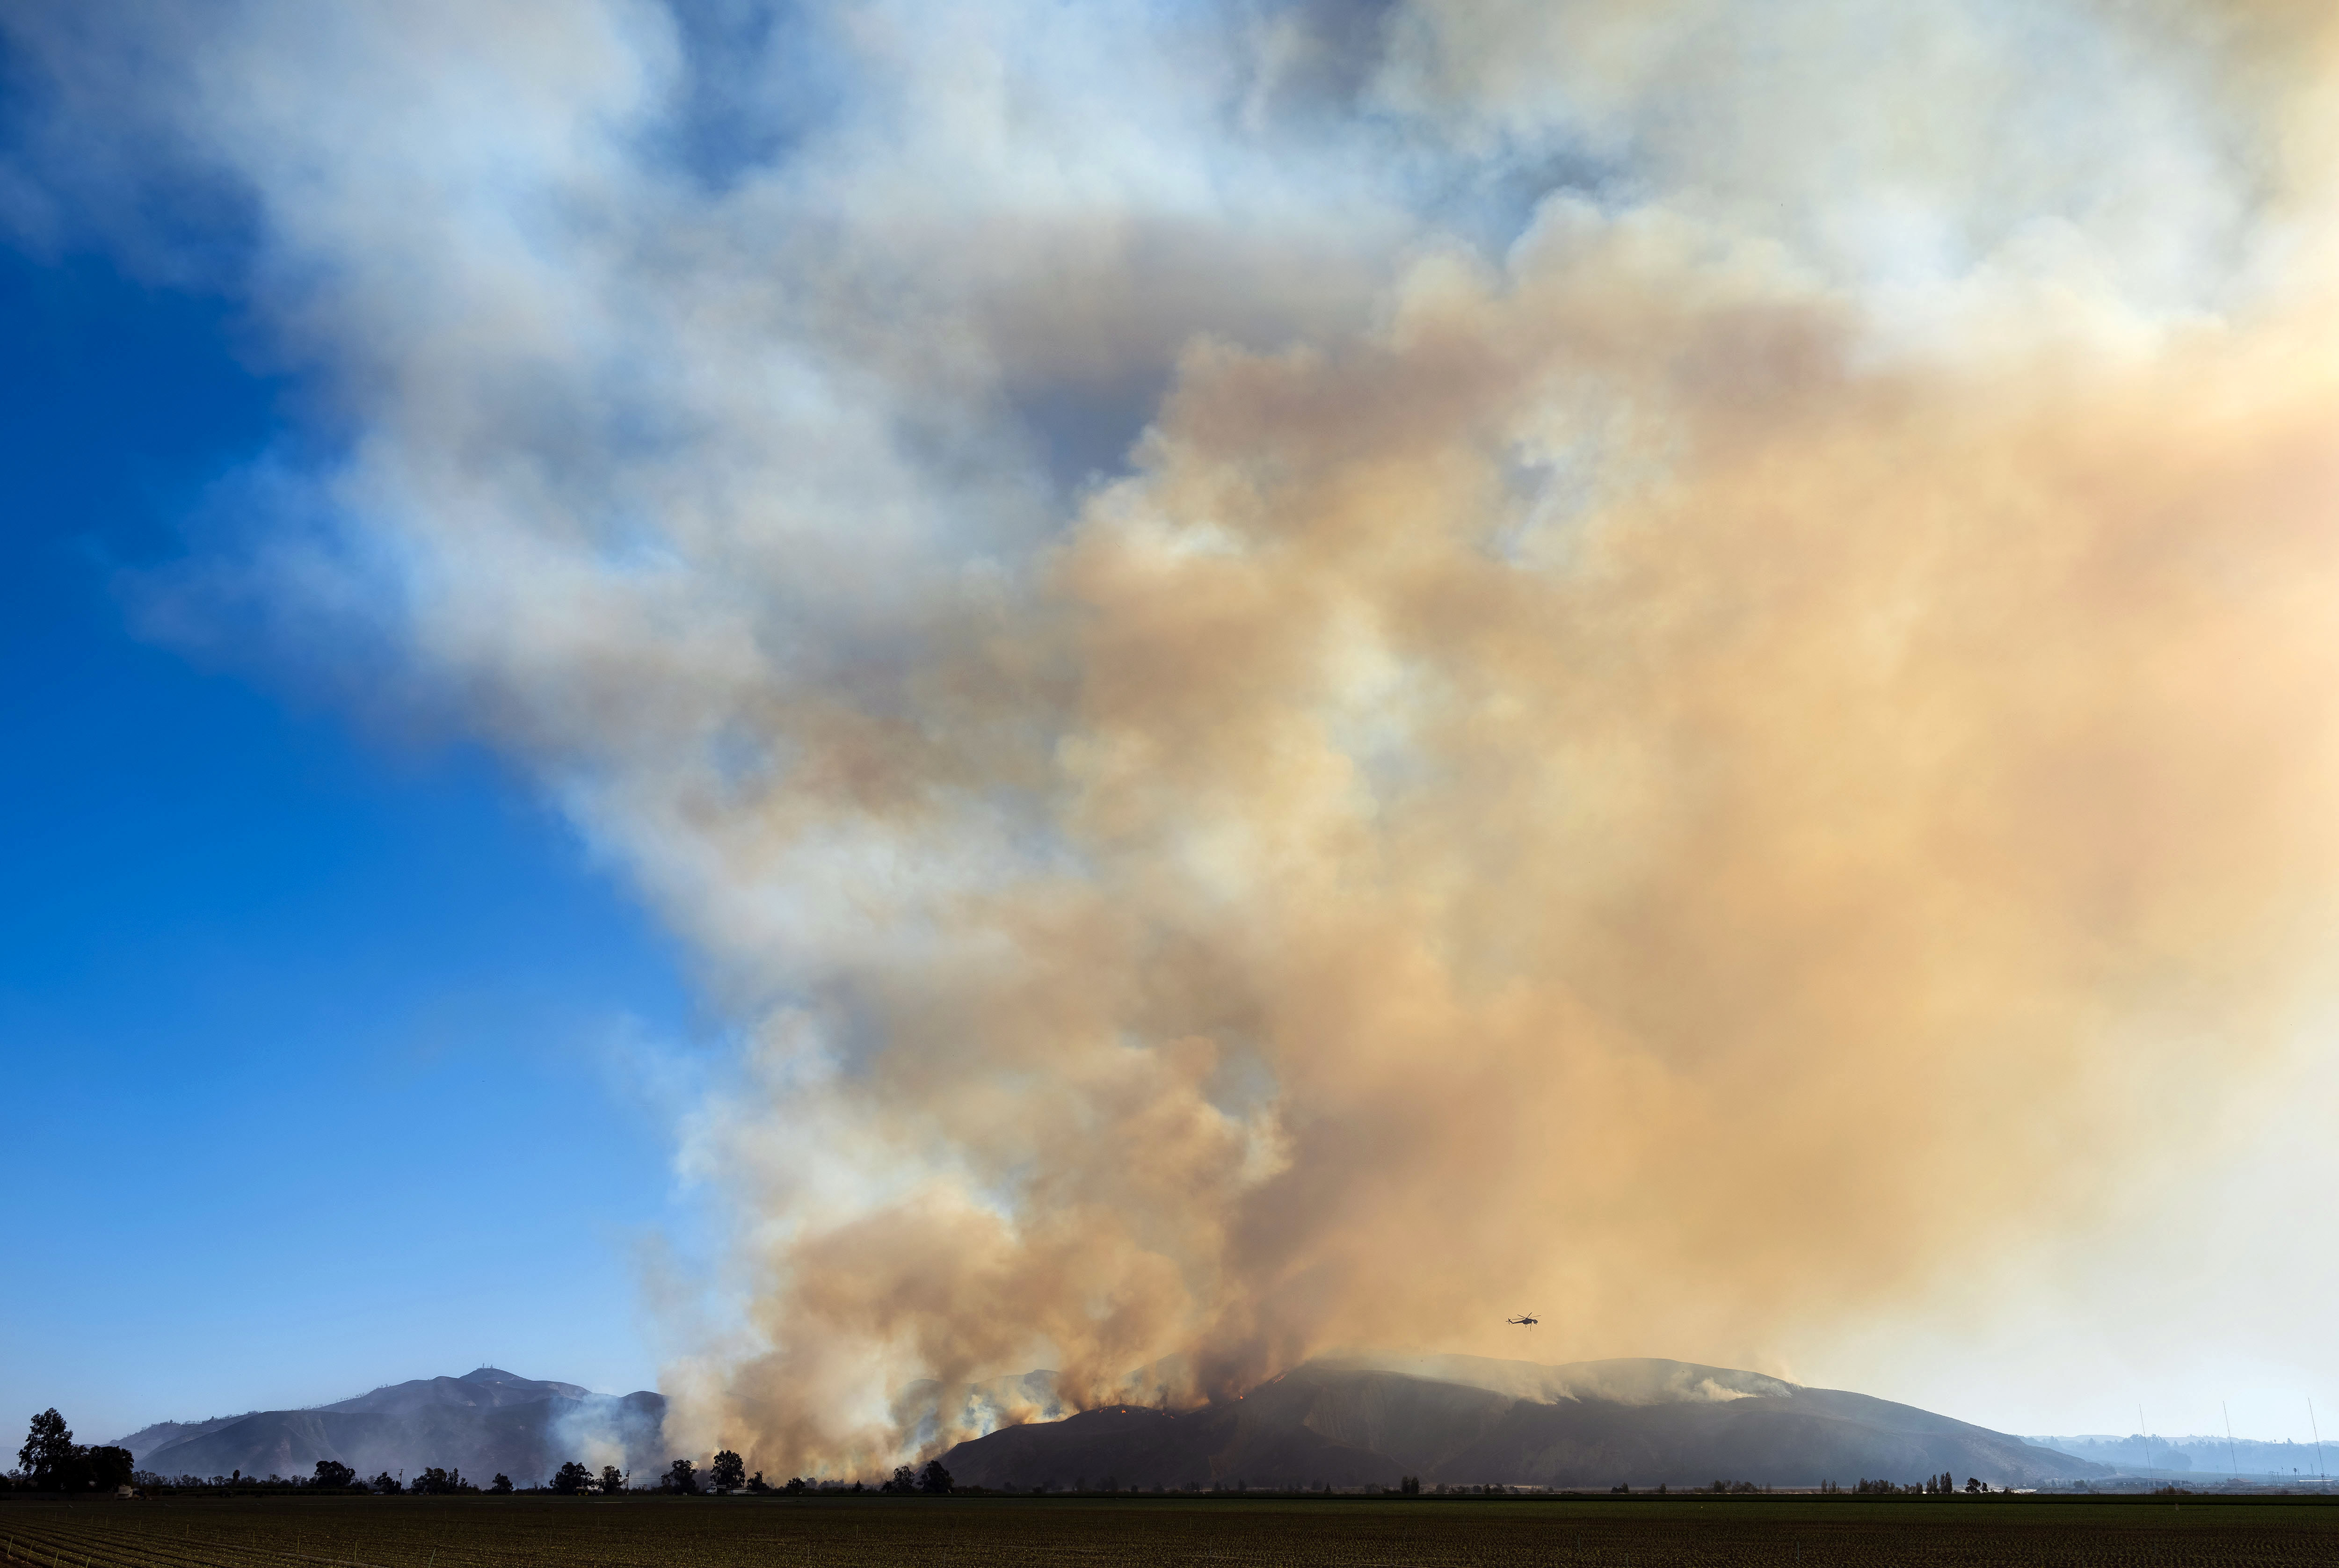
(933, 1480)
(682, 1477)
(386, 1484)
(333, 1473)
(571, 1479)
(49, 1458)
(502, 1483)
(613, 1481)
(730, 1471)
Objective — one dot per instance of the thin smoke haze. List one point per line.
(1312, 674)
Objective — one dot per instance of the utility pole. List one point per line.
(2230, 1458)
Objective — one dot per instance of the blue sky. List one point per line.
(317, 1041)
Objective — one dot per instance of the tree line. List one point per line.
(50, 1461)
(1942, 1485)
(728, 1473)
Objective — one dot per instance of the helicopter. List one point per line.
(1528, 1320)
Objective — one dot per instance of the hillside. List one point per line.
(482, 1422)
(1461, 1420)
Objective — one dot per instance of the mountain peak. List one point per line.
(1371, 1419)
(484, 1421)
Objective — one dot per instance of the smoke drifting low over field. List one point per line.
(1310, 673)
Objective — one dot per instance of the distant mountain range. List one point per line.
(482, 1423)
(2205, 1458)
(1345, 1421)
(1468, 1421)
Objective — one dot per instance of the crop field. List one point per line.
(1157, 1533)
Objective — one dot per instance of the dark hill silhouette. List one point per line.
(481, 1422)
(1467, 1421)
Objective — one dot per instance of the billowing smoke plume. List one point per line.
(1313, 674)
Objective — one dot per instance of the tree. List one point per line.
(730, 1471)
(502, 1484)
(933, 1480)
(386, 1484)
(333, 1473)
(612, 1481)
(682, 1477)
(107, 1468)
(49, 1459)
(571, 1479)
(1972, 1485)
(902, 1481)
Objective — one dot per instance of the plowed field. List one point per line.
(1156, 1532)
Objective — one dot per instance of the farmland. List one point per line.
(1270, 1533)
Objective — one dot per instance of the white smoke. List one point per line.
(992, 528)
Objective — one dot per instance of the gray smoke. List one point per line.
(1309, 673)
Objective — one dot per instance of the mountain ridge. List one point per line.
(485, 1422)
(1346, 1420)
(1352, 1421)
